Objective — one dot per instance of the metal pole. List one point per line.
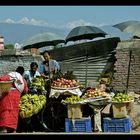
(128, 73)
(49, 76)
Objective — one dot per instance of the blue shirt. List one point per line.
(53, 64)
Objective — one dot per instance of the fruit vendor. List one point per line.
(9, 102)
(49, 66)
(32, 73)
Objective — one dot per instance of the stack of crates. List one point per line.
(75, 121)
(121, 120)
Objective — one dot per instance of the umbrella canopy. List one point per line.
(42, 40)
(134, 29)
(125, 24)
(84, 32)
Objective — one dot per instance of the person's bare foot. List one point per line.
(14, 131)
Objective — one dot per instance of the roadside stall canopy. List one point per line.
(132, 27)
(84, 32)
(42, 40)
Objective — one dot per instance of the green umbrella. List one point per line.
(42, 40)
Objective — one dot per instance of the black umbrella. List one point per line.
(84, 32)
(42, 40)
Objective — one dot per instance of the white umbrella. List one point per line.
(132, 27)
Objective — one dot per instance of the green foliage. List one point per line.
(69, 75)
(57, 75)
(9, 46)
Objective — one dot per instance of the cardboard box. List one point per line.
(119, 110)
(75, 111)
(122, 110)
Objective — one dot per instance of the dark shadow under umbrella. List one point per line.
(85, 32)
(132, 27)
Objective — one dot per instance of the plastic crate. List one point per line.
(117, 125)
(78, 125)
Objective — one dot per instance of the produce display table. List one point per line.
(54, 114)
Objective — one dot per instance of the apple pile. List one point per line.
(93, 92)
(64, 83)
(90, 93)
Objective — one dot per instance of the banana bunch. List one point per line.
(31, 104)
(38, 82)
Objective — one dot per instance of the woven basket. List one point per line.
(5, 86)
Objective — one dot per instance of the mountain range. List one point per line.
(19, 33)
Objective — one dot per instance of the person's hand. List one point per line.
(44, 76)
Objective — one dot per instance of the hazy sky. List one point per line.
(69, 16)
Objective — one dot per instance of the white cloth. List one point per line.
(56, 92)
(18, 80)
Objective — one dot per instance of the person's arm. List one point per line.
(41, 71)
(57, 66)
